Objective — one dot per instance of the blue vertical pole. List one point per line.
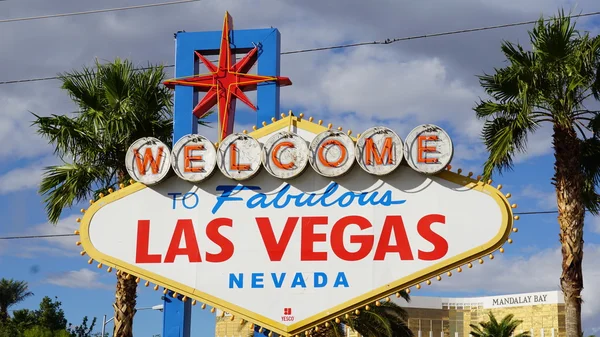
(267, 95)
(184, 121)
(177, 316)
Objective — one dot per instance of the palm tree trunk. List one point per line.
(125, 301)
(568, 181)
(3, 314)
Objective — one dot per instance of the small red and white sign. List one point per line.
(287, 315)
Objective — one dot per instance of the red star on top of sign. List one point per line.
(226, 82)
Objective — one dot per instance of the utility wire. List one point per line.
(95, 11)
(65, 235)
(35, 236)
(351, 45)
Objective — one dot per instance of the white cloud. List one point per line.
(427, 80)
(17, 136)
(66, 225)
(23, 178)
(542, 199)
(538, 272)
(83, 278)
(594, 222)
(54, 246)
(538, 144)
(20, 179)
(380, 84)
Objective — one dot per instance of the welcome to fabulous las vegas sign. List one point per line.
(295, 224)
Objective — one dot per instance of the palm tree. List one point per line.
(117, 105)
(493, 328)
(384, 319)
(11, 293)
(387, 319)
(551, 85)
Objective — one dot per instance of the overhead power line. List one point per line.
(17, 237)
(20, 237)
(351, 45)
(96, 11)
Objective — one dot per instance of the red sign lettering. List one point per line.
(185, 229)
(142, 163)
(440, 245)
(337, 238)
(393, 227)
(143, 241)
(275, 248)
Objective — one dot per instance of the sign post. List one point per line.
(294, 226)
(189, 52)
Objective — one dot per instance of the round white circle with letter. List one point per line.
(148, 160)
(331, 153)
(193, 158)
(379, 150)
(428, 149)
(285, 155)
(238, 156)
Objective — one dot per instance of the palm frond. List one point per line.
(506, 135)
(84, 88)
(66, 133)
(554, 41)
(493, 328)
(590, 162)
(518, 57)
(502, 86)
(12, 292)
(595, 87)
(202, 121)
(67, 184)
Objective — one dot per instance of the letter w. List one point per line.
(275, 248)
(148, 159)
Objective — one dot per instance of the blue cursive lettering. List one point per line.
(283, 198)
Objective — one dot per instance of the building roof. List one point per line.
(486, 302)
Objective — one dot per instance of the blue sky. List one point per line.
(401, 85)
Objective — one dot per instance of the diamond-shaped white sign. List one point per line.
(289, 254)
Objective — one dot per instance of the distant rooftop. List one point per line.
(487, 302)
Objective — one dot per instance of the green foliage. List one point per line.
(24, 319)
(493, 328)
(117, 105)
(39, 331)
(82, 330)
(9, 329)
(385, 320)
(11, 293)
(50, 314)
(550, 83)
(47, 321)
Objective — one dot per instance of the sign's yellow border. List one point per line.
(332, 313)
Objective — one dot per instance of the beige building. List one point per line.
(542, 314)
